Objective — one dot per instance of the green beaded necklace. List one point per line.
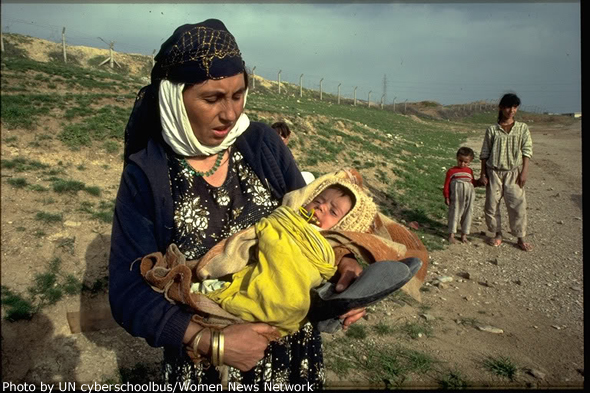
(211, 171)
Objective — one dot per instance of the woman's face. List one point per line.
(213, 107)
(509, 112)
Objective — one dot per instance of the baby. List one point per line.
(292, 257)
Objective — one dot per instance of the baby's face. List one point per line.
(329, 207)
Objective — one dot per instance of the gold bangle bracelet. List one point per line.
(214, 346)
(196, 341)
(221, 348)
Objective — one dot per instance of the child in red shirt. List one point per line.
(459, 194)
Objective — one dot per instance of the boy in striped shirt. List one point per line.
(459, 194)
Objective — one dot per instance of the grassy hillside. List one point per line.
(402, 158)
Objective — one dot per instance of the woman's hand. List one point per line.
(447, 201)
(245, 344)
(349, 269)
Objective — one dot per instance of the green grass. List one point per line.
(357, 332)
(103, 213)
(48, 218)
(22, 164)
(453, 380)
(376, 361)
(382, 329)
(18, 182)
(17, 307)
(417, 330)
(47, 288)
(502, 366)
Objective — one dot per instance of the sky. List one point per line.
(448, 52)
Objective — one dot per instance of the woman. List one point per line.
(197, 171)
(505, 153)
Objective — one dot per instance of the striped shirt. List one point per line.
(504, 151)
(457, 174)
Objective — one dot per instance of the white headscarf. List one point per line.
(176, 127)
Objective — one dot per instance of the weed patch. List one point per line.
(48, 218)
(18, 182)
(501, 366)
(47, 288)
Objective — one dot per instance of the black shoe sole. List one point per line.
(375, 283)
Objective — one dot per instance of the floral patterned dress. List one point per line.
(204, 215)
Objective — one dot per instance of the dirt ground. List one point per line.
(534, 300)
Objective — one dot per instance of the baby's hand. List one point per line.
(447, 201)
(309, 216)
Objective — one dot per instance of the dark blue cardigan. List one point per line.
(143, 223)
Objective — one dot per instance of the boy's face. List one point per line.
(463, 161)
(329, 207)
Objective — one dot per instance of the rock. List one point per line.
(576, 288)
(517, 281)
(444, 279)
(490, 329)
(496, 261)
(464, 275)
(428, 317)
(561, 222)
(556, 327)
(72, 224)
(414, 225)
(536, 373)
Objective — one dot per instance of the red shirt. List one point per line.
(460, 174)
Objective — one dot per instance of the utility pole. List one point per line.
(382, 98)
(405, 103)
(394, 104)
(253, 77)
(153, 58)
(321, 88)
(384, 87)
(280, 81)
(301, 85)
(339, 93)
(355, 95)
(63, 44)
(369, 98)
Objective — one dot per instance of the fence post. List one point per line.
(355, 95)
(369, 98)
(153, 58)
(394, 104)
(253, 78)
(301, 85)
(339, 93)
(1, 42)
(63, 44)
(280, 81)
(321, 88)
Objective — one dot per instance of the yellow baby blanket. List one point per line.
(292, 258)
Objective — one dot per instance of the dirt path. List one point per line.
(535, 298)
